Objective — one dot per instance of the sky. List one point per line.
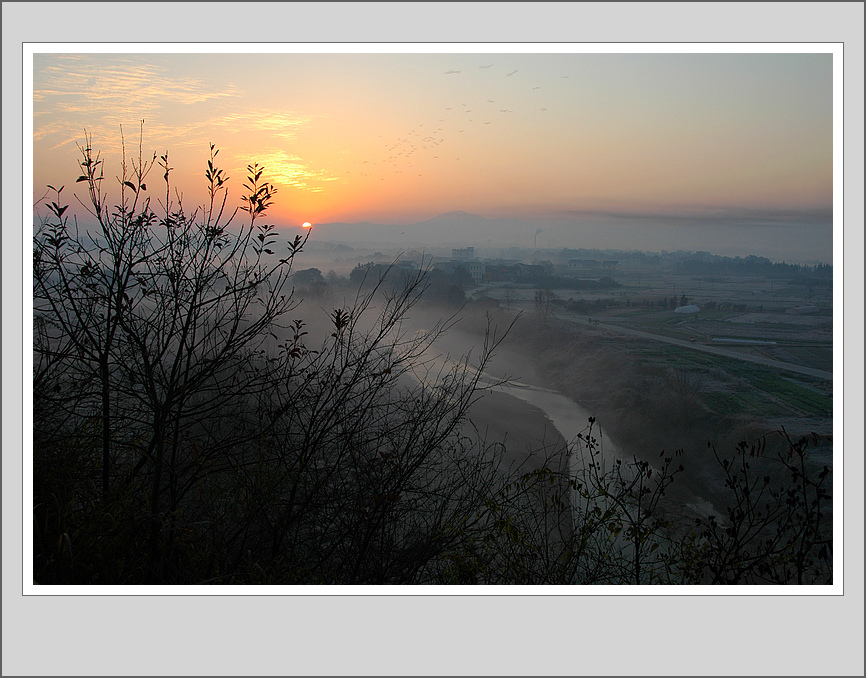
(396, 138)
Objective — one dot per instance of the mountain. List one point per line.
(455, 228)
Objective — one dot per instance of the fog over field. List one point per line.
(615, 366)
(792, 236)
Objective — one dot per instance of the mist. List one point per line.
(792, 236)
(596, 374)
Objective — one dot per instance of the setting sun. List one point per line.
(306, 224)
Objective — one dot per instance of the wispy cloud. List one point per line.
(281, 125)
(291, 171)
(121, 82)
(72, 92)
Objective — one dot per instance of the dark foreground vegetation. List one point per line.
(189, 429)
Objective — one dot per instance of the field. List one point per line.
(759, 348)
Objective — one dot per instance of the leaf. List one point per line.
(130, 184)
(80, 179)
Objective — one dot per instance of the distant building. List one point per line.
(465, 254)
(528, 272)
(609, 264)
(477, 270)
(583, 263)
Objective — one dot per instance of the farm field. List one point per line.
(752, 318)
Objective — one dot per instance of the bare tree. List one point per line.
(544, 304)
(163, 313)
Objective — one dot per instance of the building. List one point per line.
(465, 254)
(477, 270)
(583, 263)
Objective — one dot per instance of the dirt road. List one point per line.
(768, 362)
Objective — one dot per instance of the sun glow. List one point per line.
(306, 224)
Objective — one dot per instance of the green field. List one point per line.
(750, 400)
(732, 404)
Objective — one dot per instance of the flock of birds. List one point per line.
(400, 154)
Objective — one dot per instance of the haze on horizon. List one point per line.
(635, 140)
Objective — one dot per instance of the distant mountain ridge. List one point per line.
(796, 241)
(455, 227)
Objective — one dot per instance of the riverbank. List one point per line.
(528, 441)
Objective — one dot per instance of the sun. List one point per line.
(306, 224)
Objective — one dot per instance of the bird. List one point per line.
(534, 88)
(487, 66)
(512, 72)
(451, 72)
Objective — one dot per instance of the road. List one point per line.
(767, 362)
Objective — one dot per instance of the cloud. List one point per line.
(291, 171)
(72, 92)
(281, 125)
(120, 83)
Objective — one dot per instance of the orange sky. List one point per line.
(391, 137)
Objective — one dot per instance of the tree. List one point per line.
(227, 442)
(544, 303)
(308, 277)
(160, 315)
(774, 531)
(508, 296)
(310, 282)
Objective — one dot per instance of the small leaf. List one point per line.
(130, 184)
(81, 178)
